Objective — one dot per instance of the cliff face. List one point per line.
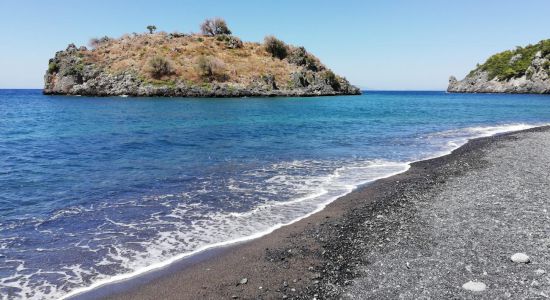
(178, 65)
(520, 71)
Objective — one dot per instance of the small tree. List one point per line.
(160, 66)
(151, 28)
(276, 47)
(214, 27)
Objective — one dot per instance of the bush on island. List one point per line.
(300, 57)
(331, 79)
(232, 42)
(160, 66)
(151, 28)
(210, 67)
(96, 42)
(215, 27)
(275, 47)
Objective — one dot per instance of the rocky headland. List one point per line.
(213, 63)
(525, 70)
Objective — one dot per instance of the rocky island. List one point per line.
(213, 63)
(520, 71)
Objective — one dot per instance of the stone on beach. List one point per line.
(540, 272)
(474, 286)
(520, 258)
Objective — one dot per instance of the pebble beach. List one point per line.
(471, 224)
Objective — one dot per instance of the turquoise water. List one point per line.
(94, 188)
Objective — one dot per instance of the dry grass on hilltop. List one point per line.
(183, 53)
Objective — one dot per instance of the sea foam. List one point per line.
(221, 229)
(126, 249)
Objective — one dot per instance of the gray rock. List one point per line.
(515, 58)
(474, 286)
(536, 80)
(69, 74)
(520, 258)
(71, 47)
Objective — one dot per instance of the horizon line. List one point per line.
(362, 90)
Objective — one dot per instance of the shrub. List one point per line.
(297, 56)
(96, 42)
(511, 63)
(151, 28)
(176, 35)
(222, 37)
(230, 41)
(508, 73)
(300, 57)
(275, 47)
(331, 79)
(312, 63)
(545, 47)
(74, 70)
(160, 66)
(233, 42)
(210, 67)
(215, 27)
(52, 68)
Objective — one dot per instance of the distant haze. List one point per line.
(380, 45)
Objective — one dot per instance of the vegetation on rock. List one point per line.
(211, 68)
(231, 42)
(160, 66)
(151, 28)
(300, 57)
(52, 68)
(331, 79)
(213, 27)
(522, 70)
(96, 42)
(513, 63)
(275, 47)
(214, 62)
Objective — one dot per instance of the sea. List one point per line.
(97, 190)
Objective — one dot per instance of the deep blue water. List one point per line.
(95, 187)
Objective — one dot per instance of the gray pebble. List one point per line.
(520, 258)
(474, 286)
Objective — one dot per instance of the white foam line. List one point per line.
(272, 204)
(406, 165)
(166, 263)
(489, 131)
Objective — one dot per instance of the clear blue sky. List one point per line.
(397, 45)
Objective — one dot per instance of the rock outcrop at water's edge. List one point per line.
(190, 66)
(520, 71)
